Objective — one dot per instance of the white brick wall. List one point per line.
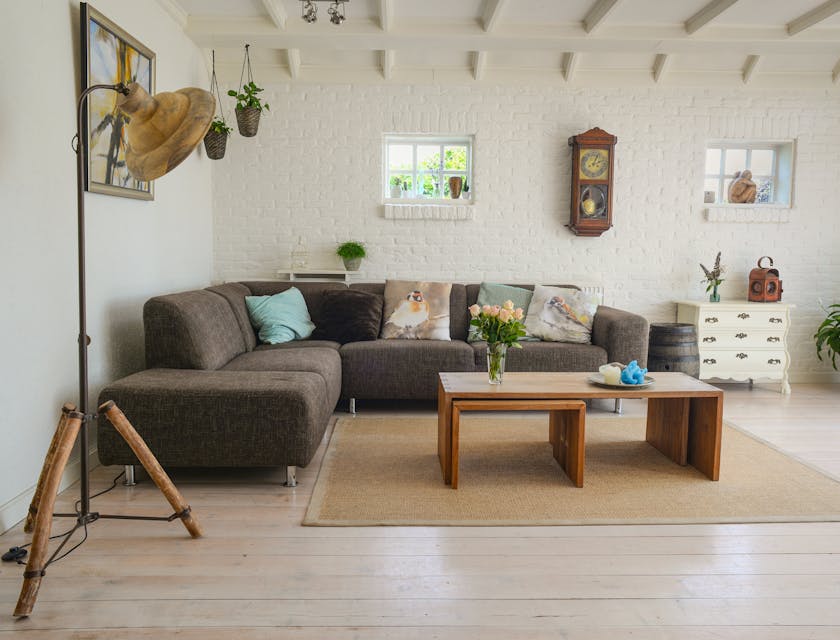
(314, 170)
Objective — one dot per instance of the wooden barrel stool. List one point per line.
(673, 347)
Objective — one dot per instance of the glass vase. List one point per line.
(496, 352)
(714, 296)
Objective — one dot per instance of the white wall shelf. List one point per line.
(316, 275)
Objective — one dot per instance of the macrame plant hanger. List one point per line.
(215, 142)
(247, 117)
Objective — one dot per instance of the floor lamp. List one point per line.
(163, 130)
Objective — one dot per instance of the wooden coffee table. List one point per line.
(684, 415)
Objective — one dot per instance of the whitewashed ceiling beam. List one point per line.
(660, 66)
(597, 14)
(175, 11)
(479, 64)
(220, 34)
(386, 14)
(569, 65)
(706, 15)
(277, 12)
(750, 67)
(491, 13)
(815, 16)
(389, 57)
(293, 56)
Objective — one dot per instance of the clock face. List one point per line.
(594, 164)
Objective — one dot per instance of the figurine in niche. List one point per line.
(743, 189)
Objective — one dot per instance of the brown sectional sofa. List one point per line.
(213, 396)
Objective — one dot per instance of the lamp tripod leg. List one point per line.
(54, 468)
(152, 466)
(29, 524)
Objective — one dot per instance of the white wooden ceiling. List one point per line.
(790, 43)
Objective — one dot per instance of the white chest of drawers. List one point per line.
(740, 340)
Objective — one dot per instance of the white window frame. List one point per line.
(416, 140)
(781, 179)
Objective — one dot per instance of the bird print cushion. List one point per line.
(416, 310)
(561, 315)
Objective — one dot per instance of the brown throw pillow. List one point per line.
(349, 315)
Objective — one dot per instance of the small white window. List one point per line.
(419, 167)
(771, 165)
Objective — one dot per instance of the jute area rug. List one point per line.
(385, 471)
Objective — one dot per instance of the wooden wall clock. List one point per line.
(593, 158)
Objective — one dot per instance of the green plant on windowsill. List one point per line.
(351, 253)
(828, 334)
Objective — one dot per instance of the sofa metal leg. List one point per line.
(129, 480)
(618, 406)
(291, 477)
(353, 406)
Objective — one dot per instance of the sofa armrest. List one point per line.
(624, 335)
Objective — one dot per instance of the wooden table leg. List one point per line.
(455, 439)
(667, 427)
(704, 435)
(567, 435)
(444, 433)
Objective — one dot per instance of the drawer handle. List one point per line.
(774, 339)
(741, 356)
(775, 321)
(774, 361)
(709, 361)
(710, 339)
(743, 316)
(741, 335)
(712, 319)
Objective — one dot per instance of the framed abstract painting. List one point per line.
(110, 55)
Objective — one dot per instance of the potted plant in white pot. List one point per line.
(351, 253)
(396, 187)
(215, 140)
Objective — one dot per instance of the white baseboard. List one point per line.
(816, 377)
(14, 511)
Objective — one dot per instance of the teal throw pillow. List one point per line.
(282, 317)
(496, 294)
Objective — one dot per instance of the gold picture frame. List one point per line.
(110, 55)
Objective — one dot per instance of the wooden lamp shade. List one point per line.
(164, 129)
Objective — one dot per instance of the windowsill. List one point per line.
(411, 209)
(452, 202)
(775, 213)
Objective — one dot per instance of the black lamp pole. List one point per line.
(84, 340)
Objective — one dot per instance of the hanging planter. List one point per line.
(249, 106)
(215, 140)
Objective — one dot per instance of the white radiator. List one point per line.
(597, 290)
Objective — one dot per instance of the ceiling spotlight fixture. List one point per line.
(309, 10)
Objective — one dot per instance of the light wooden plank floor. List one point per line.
(258, 574)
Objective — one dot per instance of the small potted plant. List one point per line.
(396, 187)
(215, 140)
(465, 191)
(249, 106)
(828, 335)
(351, 253)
